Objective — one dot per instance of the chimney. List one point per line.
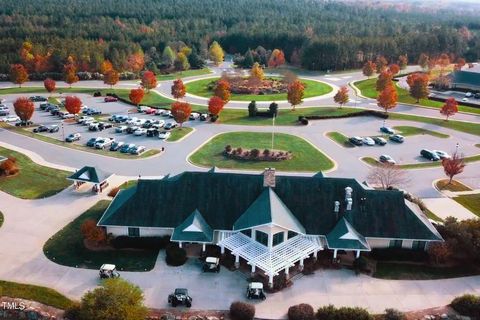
(269, 177)
(348, 197)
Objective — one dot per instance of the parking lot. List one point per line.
(459, 96)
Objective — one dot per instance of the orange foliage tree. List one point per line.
(384, 80)
(381, 64)
(49, 85)
(178, 89)
(92, 232)
(394, 68)
(70, 73)
(24, 108)
(215, 105)
(111, 77)
(149, 81)
(18, 74)
(460, 64)
(295, 92)
(387, 99)
(135, 62)
(181, 111)
(277, 58)
(8, 167)
(453, 166)
(341, 97)
(105, 66)
(368, 68)
(449, 108)
(403, 62)
(73, 104)
(136, 95)
(418, 83)
(222, 90)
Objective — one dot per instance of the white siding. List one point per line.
(117, 231)
(144, 232)
(407, 244)
(378, 243)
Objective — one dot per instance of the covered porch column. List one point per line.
(287, 275)
(180, 244)
(334, 253)
(237, 261)
(357, 254)
(270, 280)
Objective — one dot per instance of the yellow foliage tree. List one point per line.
(216, 53)
(257, 71)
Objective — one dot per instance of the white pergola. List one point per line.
(281, 257)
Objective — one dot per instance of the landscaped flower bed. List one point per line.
(251, 85)
(256, 154)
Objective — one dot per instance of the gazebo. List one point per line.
(92, 175)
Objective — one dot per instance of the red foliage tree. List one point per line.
(460, 64)
(449, 108)
(215, 105)
(8, 167)
(277, 58)
(18, 74)
(178, 89)
(342, 96)
(135, 62)
(403, 62)
(369, 68)
(92, 232)
(295, 91)
(387, 99)
(73, 104)
(381, 64)
(222, 90)
(453, 166)
(418, 83)
(149, 81)
(24, 108)
(384, 80)
(49, 85)
(136, 95)
(181, 111)
(394, 68)
(111, 77)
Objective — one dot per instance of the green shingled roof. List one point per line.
(268, 208)
(344, 236)
(466, 78)
(222, 198)
(90, 174)
(193, 229)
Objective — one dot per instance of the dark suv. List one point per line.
(430, 155)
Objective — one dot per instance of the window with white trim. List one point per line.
(133, 232)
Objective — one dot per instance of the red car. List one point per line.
(111, 99)
(150, 111)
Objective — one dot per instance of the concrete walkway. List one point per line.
(446, 207)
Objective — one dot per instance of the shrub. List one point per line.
(394, 314)
(467, 305)
(113, 192)
(301, 311)
(239, 150)
(175, 256)
(273, 108)
(92, 233)
(9, 167)
(344, 313)
(266, 152)
(360, 265)
(399, 254)
(255, 153)
(228, 148)
(242, 311)
(145, 243)
(252, 109)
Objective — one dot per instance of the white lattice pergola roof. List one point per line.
(271, 261)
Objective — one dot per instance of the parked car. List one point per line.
(387, 130)
(158, 124)
(93, 126)
(170, 125)
(108, 271)
(380, 141)
(152, 132)
(23, 123)
(465, 100)
(82, 119)
(441, 154)
(126, 148)
(255, 291)
(104, 125)
(73, 137)
(358, 141)
(132, 129)
(386, 159)
(110, 99)
(10, 118)
(203, 117)
(397, 138)
(88, 122)
(164, 135)
(54, 111)
(49, 107)
(4, 113)
(104, 143)
(92, 141)
(91, 111)
(477, 95)
(468, 94)
(167, 113)
(430, 155)
(211, 264)
(116, 145)
(121, 129)
(368, 141)
(37, 98)
(137, 150)
(180, 297)
(143, 108)
(140, 132)
(40, 129)
(160, 112)
(150, 111)
(53, 128)
(194, 116)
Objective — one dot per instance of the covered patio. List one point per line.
(92, 175)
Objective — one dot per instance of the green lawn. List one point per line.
(367, 88)
(128, 184)
(313, 88)
(430, 164)
(454, 186)
(404, 271)
(305, 157)
(183, 74)
(43, 295)
(2, 218)
(432, 216)
(340, 138)
(471, 202)
(178, 133)
(66, 248)
(33, 181)
(467, 127)
(412, 131)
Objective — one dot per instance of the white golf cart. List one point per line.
(212, 264)
(255, 291)
(108, 271)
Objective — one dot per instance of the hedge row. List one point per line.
(399, 254)
(146, 243)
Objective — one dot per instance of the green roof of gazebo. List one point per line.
(90, 174)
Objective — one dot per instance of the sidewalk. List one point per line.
(446, 207)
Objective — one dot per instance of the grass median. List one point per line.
(306, 158)
(33, 181)
(471, 202)
(179, 133)
(183, 74)
(412, 131)
(432, 164)
(341, 139)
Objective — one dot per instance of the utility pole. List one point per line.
(273, 129)
(63, 132)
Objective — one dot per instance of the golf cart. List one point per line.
(255, 291)
(212, 264)
(179, 297)
(108, 271)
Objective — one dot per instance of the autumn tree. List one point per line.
(135, 62)
(381, 64)
(418, 83)
(91, 232)
(136, 96)
(168, 57)
(70, 74)
(449, 108)
(394, 69)
(178, 89)
(111, 77)
(387, 99)
(369, 68)
(423, 61)
(18, 74)
(181, 111)
(105, 66)
(443, 62)
(439, 252)
(8, 167)
(181, 62)
(222, 90)
(73, 104)
(216, 53)
(384, 80)
(341, 97)
(403, 62)
(149, 81)
(453, 166)
(277, 58)
(460, 64)
(215, 106)
(49, 85)
(257, 72)
(386, 175)
(295, 92)
(24, 108)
